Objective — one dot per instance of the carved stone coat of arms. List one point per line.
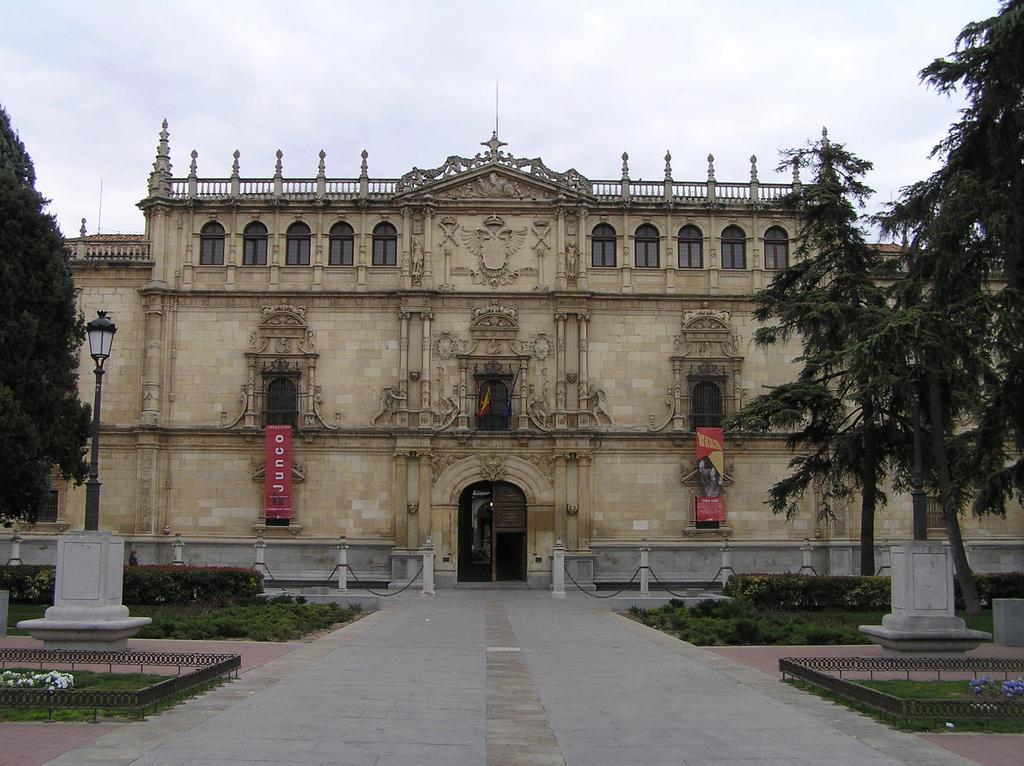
(494, 244)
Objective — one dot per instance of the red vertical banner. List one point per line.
(277, 473)
(710, 475)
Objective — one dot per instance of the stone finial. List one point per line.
(711, 167)
(321, 168)
(824, 135)
(753, 168)
(234, 165)
(494, 145)
(625, 165)
(668, 165)
(81, 231)
(363, 167)
(160, 178)
(193, 166)
(796, 172)
(279, 165)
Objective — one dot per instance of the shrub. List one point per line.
(811, 593)
(30, 584)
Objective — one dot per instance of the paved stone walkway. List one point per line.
(506, 678)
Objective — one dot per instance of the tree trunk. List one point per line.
(869, 492)
(964, 575)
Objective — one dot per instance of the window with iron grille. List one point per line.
(296, 251)
(49, 509)
(936, 520)
(707, 410)
(602, 246)
(281, 401)
(385, 245)
(691, 248)
(647, 244)
(211, 245)
(254, 245)
(341, 245)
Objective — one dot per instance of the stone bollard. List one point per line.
(428, 568)
(645, 570)
(261, 554)
(342, 565)
(727, 570)
(558, 570)
(805, 562)
(178, 547)
(15, 549)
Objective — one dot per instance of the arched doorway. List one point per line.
(492, 533)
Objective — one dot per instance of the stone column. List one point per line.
(425, 515)
(558, 570)
(403, 356)
(582, 362)
(561, 495)
(404, 238)
(560, 280)
(583, 494)
(342, 566)
(360, 255)
(523, 419)
(678, 419)
(584, 254)
(400, 498)
(426, 316)
(150, 415)
(463, 393)
(560, 318)
(428, 247)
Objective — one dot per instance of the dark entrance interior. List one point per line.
(492, 533)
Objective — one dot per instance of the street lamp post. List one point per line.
(101, 337)
(919, 503)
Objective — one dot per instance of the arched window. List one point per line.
(707, 405)
(602, 245)
(776, 248)
(296, 251)
(385, 245)
(281, 402)
(734, 248)
(493, 405)
(341, 246)
(647, 245)
(691, 248)
(211, 245)
(254, 245)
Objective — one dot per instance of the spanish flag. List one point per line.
(485, 401)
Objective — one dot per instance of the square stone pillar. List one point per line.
(922, 620)
(87, 612)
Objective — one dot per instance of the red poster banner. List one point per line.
(277, 473)
(710, 473)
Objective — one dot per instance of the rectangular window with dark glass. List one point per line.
(254, 252)
(297, 252)
(48, 511)
(385, 252)
(341, 252)
(211, 251)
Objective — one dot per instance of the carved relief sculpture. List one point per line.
(494, 245)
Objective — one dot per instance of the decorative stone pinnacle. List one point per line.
(753, 168)
(668, 165)
(82, 230)
(363, 169)
(625, 165)
(494, 145)
(194, 165)
(234, 165)
(796, 172)
(163, 149)
(711, 167)
(278, 166)
(824, 136)
(322, 166)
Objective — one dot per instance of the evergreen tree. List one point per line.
(828, 297)
(964, 286)
(42, 423)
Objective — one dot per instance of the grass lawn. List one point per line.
(83, 680)
(263, 621)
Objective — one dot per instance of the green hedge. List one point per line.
(156, 585)
(811, 593)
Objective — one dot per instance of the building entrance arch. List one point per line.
(492, 533)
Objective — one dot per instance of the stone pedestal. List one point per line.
(1008, 619)
(87, 612)
(922, 620)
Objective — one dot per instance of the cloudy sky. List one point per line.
(87, 84)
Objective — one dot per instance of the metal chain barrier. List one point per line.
(594, 595)
(383, 595)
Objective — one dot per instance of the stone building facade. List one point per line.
(600, 320)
